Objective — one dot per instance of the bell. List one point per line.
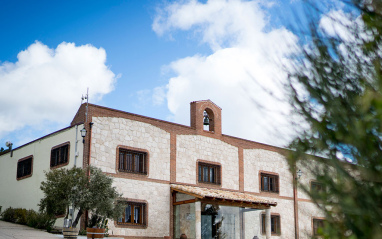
(206, 120)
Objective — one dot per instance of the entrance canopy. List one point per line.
(223, 197)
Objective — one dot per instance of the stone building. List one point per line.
(174, 179)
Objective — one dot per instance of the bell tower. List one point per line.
(205, 112)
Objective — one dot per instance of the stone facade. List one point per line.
(306, 212)
(157, 196)
(259, 160)
(191, 148)
(108, 133)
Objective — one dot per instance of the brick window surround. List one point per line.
(316, 224)
(275, 224)
(316, 186)
(59, 155)
(135, 214)
(132, 160)
(209, 173)
(269, 182)
(24, 167)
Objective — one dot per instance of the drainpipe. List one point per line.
(295, 204)
(90, 144)
(75, 148)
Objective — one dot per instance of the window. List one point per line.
(59, 156)
(317, 223)
(316, 187)
(275, 224)
(269, 183)
(208, 173)
(24, 167)
(132, 161)
(134, 214)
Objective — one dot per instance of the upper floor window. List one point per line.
(208, 173)
(317, 224)
(24, 167)
(59, 155)
(132, 161)
(275, 224)
(134, 214)
(316, 186)
(269, 183)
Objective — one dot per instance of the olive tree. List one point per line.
(74, 187)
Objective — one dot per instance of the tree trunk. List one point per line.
(79, 214)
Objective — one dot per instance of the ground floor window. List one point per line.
(134, 214)
(275, 224)
(317, 224)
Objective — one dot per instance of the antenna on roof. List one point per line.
(86, 97)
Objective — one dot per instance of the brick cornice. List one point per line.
(170, 127)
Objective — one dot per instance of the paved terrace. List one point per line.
(16, 231)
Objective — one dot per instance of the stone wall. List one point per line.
(306, 212)
(108, 133)
(191, 148)
(157, 196)
(257, 160)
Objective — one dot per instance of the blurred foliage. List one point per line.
(72, 187)
(335, 87)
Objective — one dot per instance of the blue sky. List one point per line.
(147, 57)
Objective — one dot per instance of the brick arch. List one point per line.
(197, 116)
(211, 117)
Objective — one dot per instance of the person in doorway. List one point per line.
(183, 236)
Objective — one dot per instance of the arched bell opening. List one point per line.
(208, 120)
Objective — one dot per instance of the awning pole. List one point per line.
(268, 223)
(198, 220)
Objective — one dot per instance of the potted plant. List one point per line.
(97, 227)
(82, 190)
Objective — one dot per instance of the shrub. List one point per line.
(21, 215)
(40, 220)
(30, 218)
(9, 215)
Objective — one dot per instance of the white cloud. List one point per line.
(159, 95)
(45, 85)
(244, 73)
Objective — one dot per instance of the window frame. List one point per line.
(59, 147)
(145, 163)
(276, 217)
(276, 182)
(143, 217)
(31, 168)
(314, 227)
(319, 187)
(217, 169)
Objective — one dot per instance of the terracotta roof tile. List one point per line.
(221, 194)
